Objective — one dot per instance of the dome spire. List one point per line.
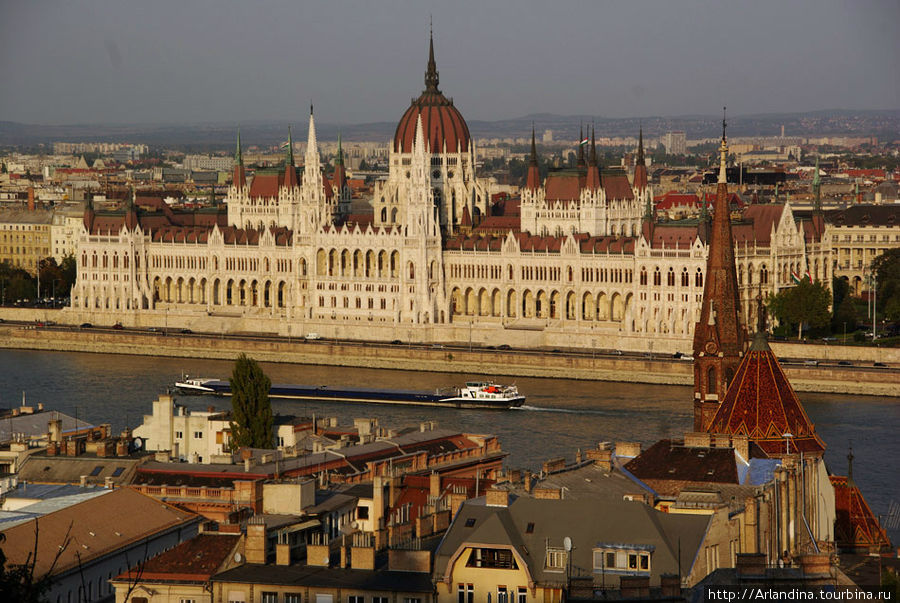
(431, 74)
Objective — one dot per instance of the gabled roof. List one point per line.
(97, 527)
(616, 186)
(529, 525)
(761, 404)
(266, 184)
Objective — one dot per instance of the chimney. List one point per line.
(55, 429)
(255, 545)
(529, 478)
(670, 584)
(815, 564)
(282, 553)
(82, 481)
(30, 198)
(108, 483)
(496, 497)
(434, 484)
(751, 564)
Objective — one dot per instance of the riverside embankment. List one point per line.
(477, 361)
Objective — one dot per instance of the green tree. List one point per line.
(806, 303)
(69, 269)
(887, 269)
(251, 411)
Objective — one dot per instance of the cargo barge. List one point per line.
(475, 394)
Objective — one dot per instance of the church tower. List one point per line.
(313, 211)
(719, 336)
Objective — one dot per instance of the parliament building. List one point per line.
(576, 260)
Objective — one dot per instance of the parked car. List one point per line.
(811, 362)
(503, 346)
(85, 325)
(879, 365)
(186, 331)
(396, 342)
(844, 363)
(313, 336)
(118, 326)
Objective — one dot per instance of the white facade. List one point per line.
(194, 436)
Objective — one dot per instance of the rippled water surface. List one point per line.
(559, 416)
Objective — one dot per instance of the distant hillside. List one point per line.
(217, 136)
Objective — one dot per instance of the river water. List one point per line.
(559, 416)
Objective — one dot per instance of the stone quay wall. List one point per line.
(478, 361)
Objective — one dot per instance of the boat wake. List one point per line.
(571, 411)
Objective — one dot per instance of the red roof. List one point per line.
(855, 526)
(674, 199)
(265, 185)
(616, 186)
(761, 404)
(194, 560)
(563, 186)
(442, 124)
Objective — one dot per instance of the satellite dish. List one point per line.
(237, 557)
(567, 544)
(138, 443)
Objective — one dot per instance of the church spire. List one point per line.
(719, 336)
(431, 73)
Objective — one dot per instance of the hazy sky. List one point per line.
(121, 61)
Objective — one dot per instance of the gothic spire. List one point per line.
(817, 189)
(593, 172)
(640, 156)
(339, 160)
(239, 176)
(290, 171)
(533, 179)
(431, 74)
(640, 166)
(723, 153)
(580, 145)
(289, 156)
(719, 335)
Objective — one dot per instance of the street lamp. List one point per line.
(787, 441)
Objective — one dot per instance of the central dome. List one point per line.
(442, 123)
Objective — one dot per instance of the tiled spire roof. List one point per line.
(719, 336)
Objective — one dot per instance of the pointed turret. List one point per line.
(131, 219)
(592, 182)
(581, 163)
(719, 336)
(312, 174)
(239, 177)
(290, 171)
(533, 181)
(640, 166)
(340, 173)
(88, 213)
(818, 217)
